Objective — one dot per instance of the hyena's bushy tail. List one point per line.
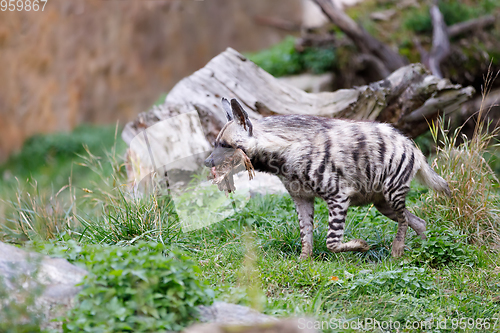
(427, 176)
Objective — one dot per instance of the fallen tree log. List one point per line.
(408, 97)
(489, 102)
(177, 134)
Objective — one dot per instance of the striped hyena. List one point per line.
(344, 162)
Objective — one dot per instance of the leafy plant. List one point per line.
(146, 287)
(283, 59)
(443, 247)
(318, 60)
(411, 280)
(279, 60)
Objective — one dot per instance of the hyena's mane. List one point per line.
(280, 139)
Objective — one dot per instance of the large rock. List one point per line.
(232, 314)
(25, 272)
(280, 326)
(226, 317)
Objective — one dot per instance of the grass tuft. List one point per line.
(35, 215)
(473, 205)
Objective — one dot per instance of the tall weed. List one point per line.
(473, 205)
(36, 214)
(115, 215)
(104, 211)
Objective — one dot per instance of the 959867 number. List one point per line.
(22, 5)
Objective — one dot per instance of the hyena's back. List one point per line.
(320, 156)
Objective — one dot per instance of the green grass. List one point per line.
(348, 285)
(49, 158)
(473, 205)
(251, 258)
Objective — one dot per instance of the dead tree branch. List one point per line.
(473, 24)
(361, 38)
(440, 42)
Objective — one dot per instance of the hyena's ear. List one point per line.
(227, 107)
(241, 116)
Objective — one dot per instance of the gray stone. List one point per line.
(226, 313)
(262, 183)
(289, 325)
(23, 272)
(225, 317)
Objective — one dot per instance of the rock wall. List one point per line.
(102, 61)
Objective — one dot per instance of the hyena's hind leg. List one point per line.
(337, 211)
(395, 198)
(305, 211)
(415, 222)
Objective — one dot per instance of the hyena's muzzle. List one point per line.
(219, 156)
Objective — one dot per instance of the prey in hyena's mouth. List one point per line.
(344, 162)
(230, 162)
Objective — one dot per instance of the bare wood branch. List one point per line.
(492, 100)
(362, 39)
(424, 55)
(373, 62)
(477, 23)
(440, 42)
(440, 38)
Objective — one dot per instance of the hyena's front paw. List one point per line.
(398, 249)
(305, 256)
(306, 252)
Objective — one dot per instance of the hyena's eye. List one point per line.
(225, 145)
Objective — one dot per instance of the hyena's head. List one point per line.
(236, 134)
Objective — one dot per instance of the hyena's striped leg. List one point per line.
(416, 223)
(395, 198)
(337, 211)
(305, 211)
